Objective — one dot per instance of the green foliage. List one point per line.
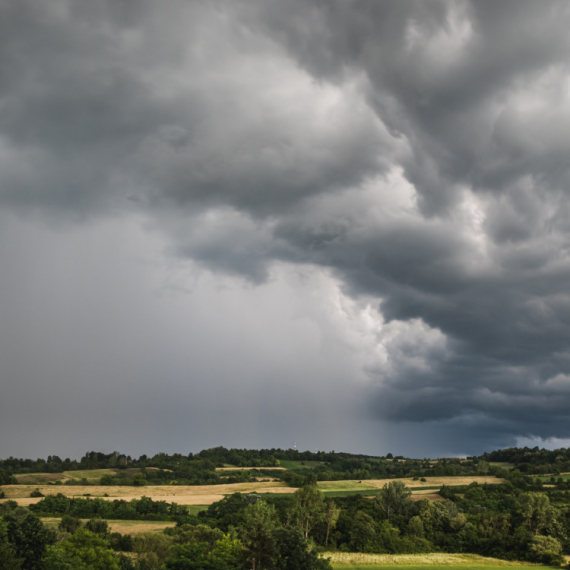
(394, 499)
(152, 549)
(6, 478)
(97, 526)
(136, 509)
(84, 550)
(8, 557)
(69, 524)
(257, 533)
(29, 538)
(293, 552)
(225, 554)
(309, 508)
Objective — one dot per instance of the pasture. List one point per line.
(90, 475)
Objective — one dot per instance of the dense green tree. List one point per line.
(309, 508)
(223, 555)
(546, 549)
(332, 513)
(362, 532)
(152, 549)
(293, 552)
(29, 538)
(97, 526)
(8, 558)
(394, 499)
(69, 524)
(83, 550)
(257, 534)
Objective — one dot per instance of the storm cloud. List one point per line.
(249, 222)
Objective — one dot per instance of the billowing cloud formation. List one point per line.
(413, 151)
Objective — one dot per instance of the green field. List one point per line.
(92, 475)
(547, 478)
(502, 464)
(290, 464)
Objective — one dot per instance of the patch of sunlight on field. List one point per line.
(355, 560)
(432, 482)
(181, 494)
(124, 527)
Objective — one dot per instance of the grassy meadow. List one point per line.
(356, 561)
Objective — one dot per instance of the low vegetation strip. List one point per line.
(352, 559)
(250, 468)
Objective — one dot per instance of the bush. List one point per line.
(97, 526)
(36, 493)
(69, 524)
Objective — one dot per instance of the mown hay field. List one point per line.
(208, 494)
(356, 560)
(124, 527)
(181, 494)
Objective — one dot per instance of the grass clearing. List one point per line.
(548, 478)
(431, 483)
(92, 475)
(39, 478)
(355, 560)
(502, 464)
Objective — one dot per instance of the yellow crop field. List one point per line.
(208, 494)
(181, 494)
(124, 527)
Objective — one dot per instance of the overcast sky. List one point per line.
(249, 223)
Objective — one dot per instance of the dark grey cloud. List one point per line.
(414, 152)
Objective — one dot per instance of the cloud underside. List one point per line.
(415, 151)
